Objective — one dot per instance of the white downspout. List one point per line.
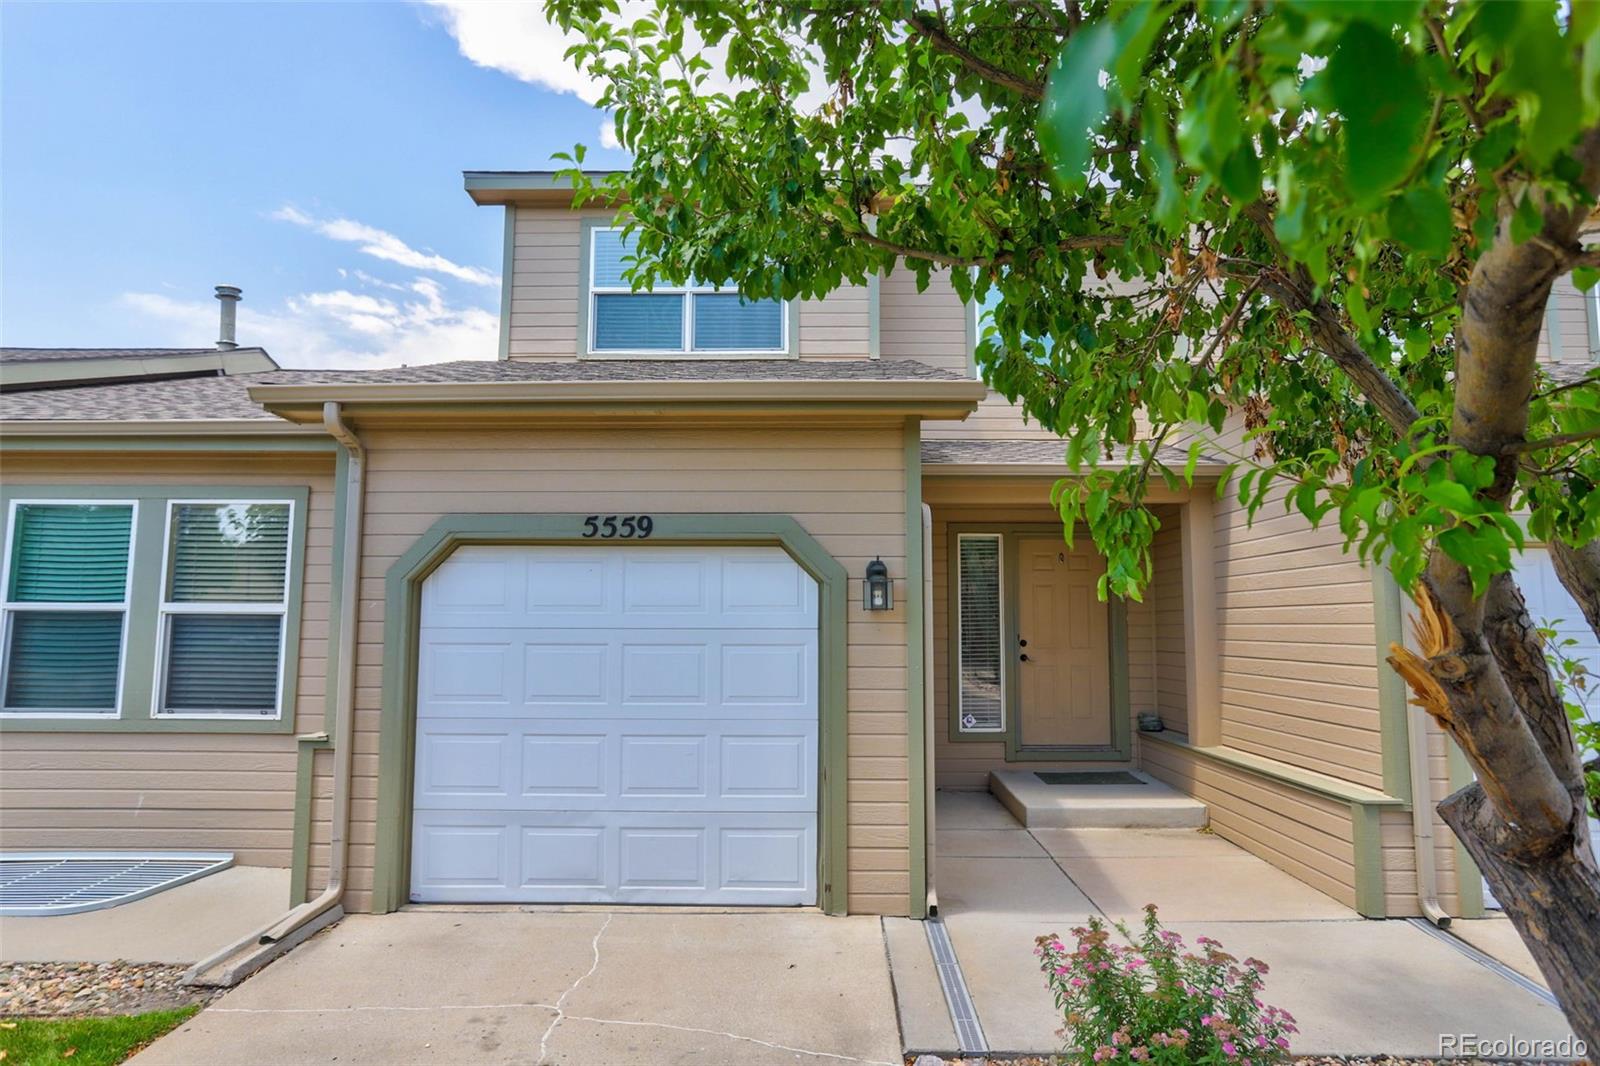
(929, 783)
(305, 919)
(1422, 809)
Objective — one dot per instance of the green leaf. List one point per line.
(1075, 102)
(1420, 218)
(1585, 277)
(1209, 130)
(1454, 497)
(1383, 101)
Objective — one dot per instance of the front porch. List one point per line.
(1357, 987)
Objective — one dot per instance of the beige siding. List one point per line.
(1299, 677)
(233, 792)
(966, 764)
(846, 487)
(546, 285)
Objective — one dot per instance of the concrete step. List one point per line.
(1139, 803)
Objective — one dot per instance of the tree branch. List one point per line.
(931, 30)
(1560, 440)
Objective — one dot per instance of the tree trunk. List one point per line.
(1579, 571)
(1554, 902)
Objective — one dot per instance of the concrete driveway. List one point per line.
(1357, 987)
(560, 987)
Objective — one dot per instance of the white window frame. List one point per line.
(686, 293)
(1000, 630)
(8, 608)
(167, 609)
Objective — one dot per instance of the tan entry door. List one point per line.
(1063, 646)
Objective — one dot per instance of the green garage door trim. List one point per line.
(402, 607)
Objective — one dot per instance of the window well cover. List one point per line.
(42, 883)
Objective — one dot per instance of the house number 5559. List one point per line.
(614, 526)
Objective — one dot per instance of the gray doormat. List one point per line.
(1086, 777)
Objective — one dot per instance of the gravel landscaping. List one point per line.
(78, 989)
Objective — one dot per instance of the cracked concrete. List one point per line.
(564, 989)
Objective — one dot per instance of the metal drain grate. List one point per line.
(45, 883)
(1087, 777)
(963, 1012)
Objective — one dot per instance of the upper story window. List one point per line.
(66, 607)
(693, 319)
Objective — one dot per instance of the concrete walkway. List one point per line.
(1356, 986)
(569, 987)
(180, 925)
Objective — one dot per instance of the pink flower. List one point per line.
(1229, 1049)
(1119, 1037)
(1261, 1040)
(1077, 982)
(1139, 1054)
(1104, 1052)
(1207, 1020)
(1062, 971)
(1282, 1043)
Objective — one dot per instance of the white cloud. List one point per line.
(383, 245)
(608, 134)
(515, 38)
(337, 328)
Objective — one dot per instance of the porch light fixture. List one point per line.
(878, 589)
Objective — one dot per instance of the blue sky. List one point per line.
(309, 153)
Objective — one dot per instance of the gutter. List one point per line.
(147, 427)
(929, 784)
(261, 947)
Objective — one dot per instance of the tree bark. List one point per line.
(1554, 902)
(1579, 571)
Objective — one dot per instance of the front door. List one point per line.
(1063, 647)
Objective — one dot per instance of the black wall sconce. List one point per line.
(878, 589)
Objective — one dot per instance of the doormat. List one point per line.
(1086, 777)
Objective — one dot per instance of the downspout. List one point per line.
(1422, 817)
(1422, 821)
(261, 947)
(927, 704)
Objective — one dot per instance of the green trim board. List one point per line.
(916, 695)
(1388, 612)
(138, 680)
(1469, 879)
(1121, 746)
(508, 260)
(586, 277)
(1366, 833)
(1305, 780)
(402, 611)
(304, 783)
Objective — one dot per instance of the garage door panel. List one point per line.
(640, 673)
(690, 764)
(638, 588)
(600, 857)
(627, 724)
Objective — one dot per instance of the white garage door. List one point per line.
(616, 724)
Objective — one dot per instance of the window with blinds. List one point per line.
(981, 696)
(223, 609)
(66, 607)
(688, 319)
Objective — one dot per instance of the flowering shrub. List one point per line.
(1157, 1001)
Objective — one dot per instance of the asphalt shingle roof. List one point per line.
(62, 355)
(937, 452)
(227, 397)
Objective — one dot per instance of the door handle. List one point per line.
(1025, 657)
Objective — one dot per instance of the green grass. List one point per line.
(84, 1041)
